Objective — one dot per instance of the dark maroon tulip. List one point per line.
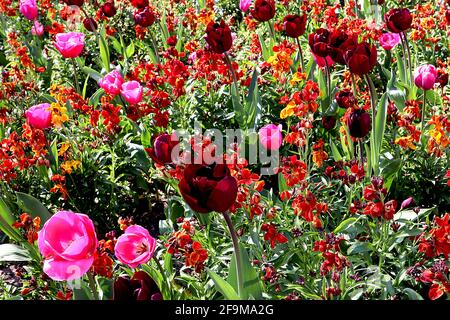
(90, 24)
(208, 188)
(318, 42)
(144, 17)
(294, 25)
(74, 2)
(345, 98)
(163, 146)
(328, 122)
(108, 9)
(139, 4)
(442, 78)
(218, 37)
(447, 16)
(398, 20)
(263, 10)
(338, 43)
(139, 287)
(358, 123)
(381, 2)
(361, 59)
(408, 203)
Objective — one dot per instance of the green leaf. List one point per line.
(95, 98)
(359, 247)
(105, 287)
(224, 287)
(92, 73)
(410, 215)
(348, 226)
(13, 253)
(334, 151)
(252, 284)
(6, 213)
(282, 185)
(104, 52)
(138, 153)
(380, 125)
(6, 221)
(412, 295)
(130, 50)
(32, 206)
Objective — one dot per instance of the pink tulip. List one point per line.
(70, 44)
(39, 116)
(135, 246)
(37, 29)
(68, 243)
(132, 92)
(389, 40)
(245, 4)
(425, 76)
(29, 9)
(112, 82)
(270, 136)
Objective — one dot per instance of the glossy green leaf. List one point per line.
(32, 206)
(224, 287)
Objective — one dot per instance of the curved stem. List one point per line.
(154, 46)
(408, 51)
(422, 122)
(93, 285)
(237, 252)
(77, 86)
(163, 273)
(300, 52)
(230, 66)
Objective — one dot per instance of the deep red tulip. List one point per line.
(328, 122)
(294, 25)
(139, 3)
(345, 98)
(74, 2)
(263, 10)
(144, 17)
(218, 36)
(90, 24)
(163, 146)
(139, 287)
(398, 20)
(361, 59)
(447, 16)
(338, 43)
(108, 9)
(318, 42)
(359, 123)
(208, 188)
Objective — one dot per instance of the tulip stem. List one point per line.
(77, 86)
(237, 253)
(161, 270)
(301, 54)
(93, 285)
(407, 54)
(154, 46)
(422, 124)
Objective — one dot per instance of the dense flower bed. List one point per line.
(253, 149)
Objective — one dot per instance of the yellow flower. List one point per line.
(296, 78)
(288, 111)
(64, 147)
(59, 114)
(70, 165)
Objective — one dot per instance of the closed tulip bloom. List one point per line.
(218, 37)
(68, 243)
(359, 123)
(139, 3)
(447, 16)
(294, 25)
(270, 136)
(144, 17)
(37, 29)
(111, 83)
(162, 149)
(408, 203)
(39, 116)
(208, 188)
(328, 122)
(90, 24)
(135, 247)
(361, 59)
(141, 287)
(70, 44)
(74, 2)
(389, 40)
(338, 43)
(108, 9)
(318, 42)
(425, 77)
(244, 5)
(132, 92)
(263, 10)
(29, 9)
(345, 99)
(398, 20)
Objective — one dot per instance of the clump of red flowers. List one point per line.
(29, 225)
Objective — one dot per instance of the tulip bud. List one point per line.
(408, 203)
(108, 9)
(218, 37)
(244, 5)
(425, 77)
(389, 40)
(398, 20)
(90, 24)
(29, 9)
(345, 99)
(318, 42)
(144, 17)
(294, 25)
(39, 116)
(264, 10)
(359, 123)
(37, 29)
(361, 59)
(162, 149)
(328, 122)
(270, 136)
(139, 4)
(74, 2)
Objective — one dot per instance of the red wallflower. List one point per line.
(272, 235)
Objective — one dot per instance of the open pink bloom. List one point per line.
(270, 136)
(245, 4)
(322, 62)
(37, 29)
(70, 44)
(425, 76)
(389, 40)
(135, 246)
(68, 243)
(39, 116)
(29, 9)
(112, 82)
(132, 92)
